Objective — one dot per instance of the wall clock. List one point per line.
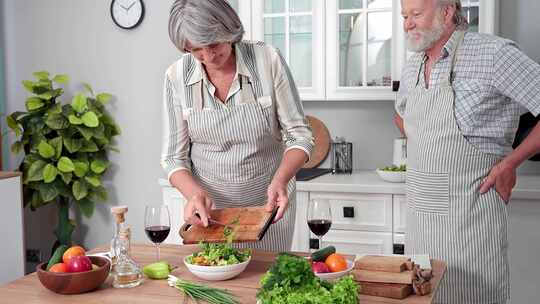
(127, 14)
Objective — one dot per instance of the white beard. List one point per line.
(427, 37)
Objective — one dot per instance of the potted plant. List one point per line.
(65, 149)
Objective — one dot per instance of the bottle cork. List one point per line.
(119, 213)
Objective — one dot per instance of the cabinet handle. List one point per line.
(399, 249)
(348, 212)
(314, 243)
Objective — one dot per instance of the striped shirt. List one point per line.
(494, 83)
(260, 68)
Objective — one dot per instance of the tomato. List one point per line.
(336, 262)
(71, 252)
(58, 267)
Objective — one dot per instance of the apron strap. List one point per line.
(453, 52)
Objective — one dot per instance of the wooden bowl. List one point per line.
(75, 282)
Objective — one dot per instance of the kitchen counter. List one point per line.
(527, 186)
(29, 290)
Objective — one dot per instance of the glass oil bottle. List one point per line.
(126, 273)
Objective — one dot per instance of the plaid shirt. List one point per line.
(494, 83)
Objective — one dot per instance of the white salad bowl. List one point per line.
(392, 176)
(330, 276)
(217, 273)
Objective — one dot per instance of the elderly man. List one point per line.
(459, 104)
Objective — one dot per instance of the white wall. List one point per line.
(78, 38)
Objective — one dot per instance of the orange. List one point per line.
(58, 267)
(71, 252)
(336, 262)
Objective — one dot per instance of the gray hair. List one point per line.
(203, 22)
(459, 18)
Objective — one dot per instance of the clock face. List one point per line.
(127, 14)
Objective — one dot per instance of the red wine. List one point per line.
(157, 234)
(319, 227)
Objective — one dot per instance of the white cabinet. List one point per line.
(11, 221)
(346, 49)
(361, 223)
(524, 249)
(296, 28)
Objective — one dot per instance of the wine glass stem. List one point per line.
(157, 252)
(320, 242)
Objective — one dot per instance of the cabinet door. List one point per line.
(296, 28)
(482, 15)
(400, 213)
(361, 212)
(360, 49)
(359, 242)
(175, 202)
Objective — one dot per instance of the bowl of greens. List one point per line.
(393, 173)
(217, 262)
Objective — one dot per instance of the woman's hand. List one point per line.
(199, 204)
(277, 196)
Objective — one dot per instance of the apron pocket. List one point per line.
(428, 192)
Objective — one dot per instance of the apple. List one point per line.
(320, 267)
(79, 263)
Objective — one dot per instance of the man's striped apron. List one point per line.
(234, 158)
(447, 217)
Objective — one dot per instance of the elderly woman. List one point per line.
(235, 131)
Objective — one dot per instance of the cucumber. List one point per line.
(57, 256)
(321, 254)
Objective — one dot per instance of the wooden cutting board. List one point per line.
(321, 137)
(252, 225)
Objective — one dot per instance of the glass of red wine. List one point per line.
(157, 224)
(319, 217)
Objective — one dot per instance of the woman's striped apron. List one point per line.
(234, 158)
(447, 217)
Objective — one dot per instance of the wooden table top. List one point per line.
(29, 290)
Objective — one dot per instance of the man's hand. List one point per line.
(277, 196)
(503, 177)
(200, 204)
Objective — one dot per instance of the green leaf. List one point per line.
(48, 192)
(35, 172)
(93, 180)
(47, 95)
(87, 133)
(56, 121)
(89, 146)
(17, 147)
(42, 75)
(46, 150)
(28, 85)
(65, 164)
(34, 103)
(99, 165)
(80, 168)
(98, 194)
(56, 143)
(66, 177)
(73, 144)
(103, 98)
(49, 173)
(90, 119)
(55, 109)
(74, 120)
(79, 103)
(80, 190)
(88, 88)
(13, 125)
(62, 78)
(87, 207)
(99, 131)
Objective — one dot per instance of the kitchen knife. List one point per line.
(268, 223)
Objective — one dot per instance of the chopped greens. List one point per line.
(216, 254)
(290, 280)
(394, 168)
